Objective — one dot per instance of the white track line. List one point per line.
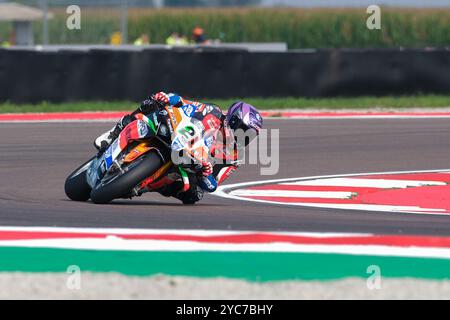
(367, 207)
(117, 244)
(189, 232)
(367, 183)
(292, 193)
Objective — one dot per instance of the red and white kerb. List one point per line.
(426, 192)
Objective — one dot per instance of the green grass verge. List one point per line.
(253, 266)
(423, 101)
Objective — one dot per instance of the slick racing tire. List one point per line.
(76, 186)
(121, 184)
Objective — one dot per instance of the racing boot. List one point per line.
(104, 140)
(191, 196)
(171, 190)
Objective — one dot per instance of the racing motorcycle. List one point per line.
(135, 163)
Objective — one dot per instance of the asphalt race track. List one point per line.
(35, 159)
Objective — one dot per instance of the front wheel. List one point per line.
(76, 186)
(120, 184)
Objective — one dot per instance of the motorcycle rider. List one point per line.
(240, 116)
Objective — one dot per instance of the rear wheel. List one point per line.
(76, 186)
(120, 184)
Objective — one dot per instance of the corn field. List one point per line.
(299, 28)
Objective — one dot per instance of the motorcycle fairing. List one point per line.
(134, 131)
(137, 151)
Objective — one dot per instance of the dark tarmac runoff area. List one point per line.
(35, 159)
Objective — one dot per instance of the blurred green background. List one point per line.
(298, 27)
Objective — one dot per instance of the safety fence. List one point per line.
(98, 74)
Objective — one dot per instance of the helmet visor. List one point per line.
(243, 135)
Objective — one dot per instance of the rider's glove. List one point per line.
(207, 168)
(147, 106)
(161, 97)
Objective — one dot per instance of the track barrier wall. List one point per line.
(31, 76)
